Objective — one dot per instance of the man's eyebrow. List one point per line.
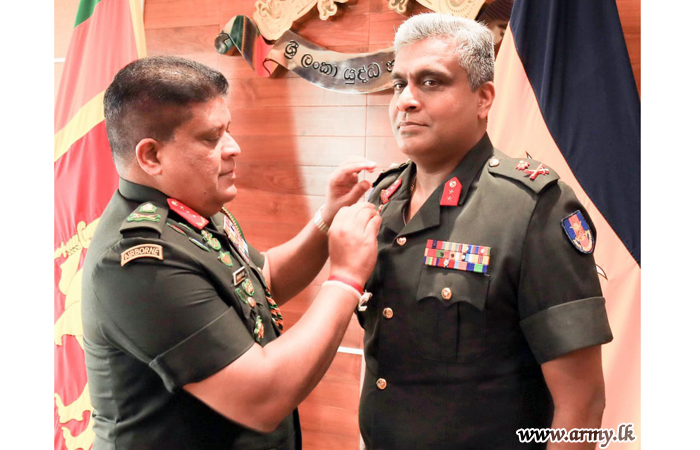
(428, 72)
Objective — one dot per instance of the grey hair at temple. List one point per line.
(474, 42)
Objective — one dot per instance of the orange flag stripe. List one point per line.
(516, 126)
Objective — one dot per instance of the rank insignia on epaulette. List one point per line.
(540, 170)
(137, 217)
(148, 208)
(259, 331)
(455, 255)
(225, 257)
(386, 194)
(142, 251)
(188, 214)
(451, 192)
(522, 165)
(579, 232)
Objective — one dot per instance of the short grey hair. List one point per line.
(474, 42)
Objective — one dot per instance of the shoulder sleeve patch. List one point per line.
(533, 174)
(142, 251)
(148, 216)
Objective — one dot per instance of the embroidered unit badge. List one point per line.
(453, 255)
(579, 232)
(142, 251)
(225, 257)
(136, 217)
(148, 208)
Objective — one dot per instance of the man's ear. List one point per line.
(148, 156)
(487, 93)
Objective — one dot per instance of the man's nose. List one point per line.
(230, 146)
(407, 102)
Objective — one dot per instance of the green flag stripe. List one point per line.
(85, 10)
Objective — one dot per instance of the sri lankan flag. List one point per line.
(108, 34)
(565, 95)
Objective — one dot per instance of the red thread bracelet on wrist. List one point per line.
(353, 284)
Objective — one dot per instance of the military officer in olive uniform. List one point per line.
(487, 315)
(182, 331)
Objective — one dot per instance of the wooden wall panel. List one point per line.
(292, 136)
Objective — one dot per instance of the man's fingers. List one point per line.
(358, 190)
(373, 225)
(356, 167)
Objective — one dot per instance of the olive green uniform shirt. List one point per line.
(168, 317)
(453, 356)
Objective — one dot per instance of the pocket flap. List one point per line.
(450, 286)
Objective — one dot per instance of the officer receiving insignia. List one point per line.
(487, 314)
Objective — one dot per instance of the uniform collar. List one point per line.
(429, 214)
(140, 193)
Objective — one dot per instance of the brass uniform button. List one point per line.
(401, 240)
(494, 162)
(388, 313)
(446, 293)
(381, 384)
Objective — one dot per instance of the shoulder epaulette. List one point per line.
(532, 174)
(146, 216)
(394, 168)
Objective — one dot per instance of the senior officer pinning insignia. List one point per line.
(451, 192)
(579, 232)
(188, 214)
(453, 255)
(142, 251)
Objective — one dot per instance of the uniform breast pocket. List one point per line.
(449, 323)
